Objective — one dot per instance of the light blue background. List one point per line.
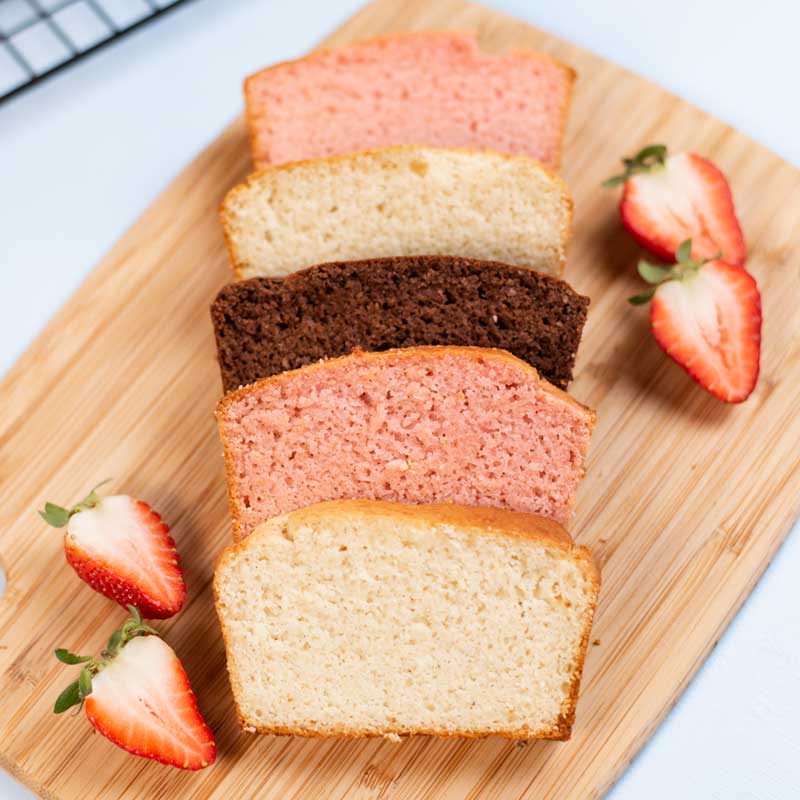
(84, 154)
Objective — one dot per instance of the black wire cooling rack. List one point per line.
(40, 37)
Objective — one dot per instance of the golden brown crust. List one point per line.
(565, 109)
(519, 734)
(465, 35)
(477, 353)
(592, 573)
(377, 153)
(489, 521)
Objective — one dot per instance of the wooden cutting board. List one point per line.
(685, 501)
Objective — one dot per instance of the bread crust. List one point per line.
(465, 36)
(378, 154)
(486, 521)
(476, 353)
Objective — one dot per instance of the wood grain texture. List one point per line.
(685, 500)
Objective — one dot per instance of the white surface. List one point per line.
(82, 156)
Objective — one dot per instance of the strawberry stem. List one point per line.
(648, 159)
(58, 516)
(85, 683)
(657, 274)
(77, 692)
(91, 499)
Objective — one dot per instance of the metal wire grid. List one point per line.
(40, 37)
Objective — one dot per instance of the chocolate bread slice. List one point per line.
(268, 325)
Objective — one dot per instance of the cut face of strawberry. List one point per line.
(706, 316)
(668, 199)
(142, 701)
(122, 549)
(137, 695)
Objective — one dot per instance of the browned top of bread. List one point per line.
(490, 521)
(411, 353)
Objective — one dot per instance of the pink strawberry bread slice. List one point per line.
(464, 425)
(432, 88)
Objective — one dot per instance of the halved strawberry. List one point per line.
(706, 316)
(122, 549)
(138, 696)
(668, 199)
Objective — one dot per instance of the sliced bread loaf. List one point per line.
(421, 425)
(264, 326)
(425, 87)
(399, 201)
(362, 618)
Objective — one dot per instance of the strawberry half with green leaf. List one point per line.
(136, 694)
(669, 199)
(122, 549)
(706, 316)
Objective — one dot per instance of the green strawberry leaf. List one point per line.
(684, 252)
(137, 617)
(113, 641)
(652, 154)
(55, 515)
(65, 657)
(644, 297)
(653, 273)
(614, 180)
(68, 698)
(85, 683)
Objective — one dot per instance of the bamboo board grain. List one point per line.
(685, 500)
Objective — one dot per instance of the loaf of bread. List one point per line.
(426, 87)
(264, 326)
(420, 425)
(398, 201)
(364, 618)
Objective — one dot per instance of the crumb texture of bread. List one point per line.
(265, 326)
(418, 425)
(434, 88)
(378, 619)
(398, 201)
